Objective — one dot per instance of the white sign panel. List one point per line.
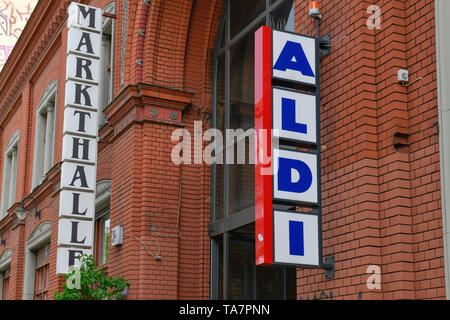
(76, 204)
(296, 238)
(79, 176)
(84, 17)
(74, 232)
(83, 42)
(293, 57)
(80, 68)
(294, 115)
(81, 149)
(81, 95)
(68, 258)
(80, 122)
(295, 176)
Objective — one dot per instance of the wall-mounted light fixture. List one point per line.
(3, 241)
(21, 212)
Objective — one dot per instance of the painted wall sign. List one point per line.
(14, 15)
(291, 177)
(79, 156)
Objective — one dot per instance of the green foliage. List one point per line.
(90, 283)
(106, 248)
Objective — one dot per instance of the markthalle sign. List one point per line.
(287, 108)
(79, 147)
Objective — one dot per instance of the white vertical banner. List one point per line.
(80, 132)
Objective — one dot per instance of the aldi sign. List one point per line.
(294, 57)
(287, 108)
(79, 145)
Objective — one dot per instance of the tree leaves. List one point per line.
(93, 284)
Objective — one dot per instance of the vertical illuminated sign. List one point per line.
(286, 108)
(79, 145)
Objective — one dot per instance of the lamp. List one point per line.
(21, 212)
(314, 11)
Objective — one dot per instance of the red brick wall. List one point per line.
(146, 189)
(381, 205)
(155, 211)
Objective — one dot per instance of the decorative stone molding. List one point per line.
(49, 33)
(40, 235)
(13, 141)
(147, 102)
(173, 115)
(123, 43)
(109, 8)
(5, 259)
(154, 112)
(102, 194)
(49, 92)
(9, 173)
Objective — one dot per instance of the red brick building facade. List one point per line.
(381, 178)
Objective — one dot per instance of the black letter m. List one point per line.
(90, 12)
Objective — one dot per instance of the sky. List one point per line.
(14, 15)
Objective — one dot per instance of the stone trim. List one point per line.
(5, 259)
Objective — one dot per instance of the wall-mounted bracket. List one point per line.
(400, 139)
(328, 265)
(325, 44)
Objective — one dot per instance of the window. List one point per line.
(44, 134)
(41, 275)
(5, 263)
(102, 231)
(10, 174)
(5, 288)
(36, 270)
(106, 62)
(234, 274)
(102, 221)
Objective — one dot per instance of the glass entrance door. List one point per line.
(236, 270)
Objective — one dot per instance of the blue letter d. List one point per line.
(285, 168)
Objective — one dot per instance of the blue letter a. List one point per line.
(293, 57)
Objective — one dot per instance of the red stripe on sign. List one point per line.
(263, 147)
